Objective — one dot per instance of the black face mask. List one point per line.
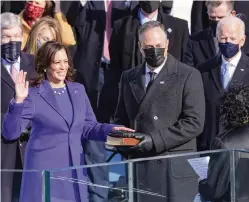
(149, 6)
(11, 51)
(213, 26)
(154, 56)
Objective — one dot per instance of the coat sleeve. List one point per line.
(191, 121)
(184, 39)
(67, 35)
(188, 54)
(92, 129)
(121, 116)
(17, 118)
(217, 183)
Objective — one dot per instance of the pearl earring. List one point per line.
(45, 70)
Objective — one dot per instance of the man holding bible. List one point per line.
(163, 100)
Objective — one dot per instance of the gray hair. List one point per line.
(215, 4)
(10, 20)
(231, 21)
(150, 25)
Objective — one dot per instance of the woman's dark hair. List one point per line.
(45, 57)
(235, 106)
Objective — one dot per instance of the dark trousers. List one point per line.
(11, 158)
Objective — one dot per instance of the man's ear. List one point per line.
(140, 48)
(233, 13)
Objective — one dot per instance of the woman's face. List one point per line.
(46, 34)
(38, 3)
(35, 9)
(58, 68)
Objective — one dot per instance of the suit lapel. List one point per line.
(47, 94)
(6, 76)
(216, 73)
(166, 77)
(241, 70)
(137, 83)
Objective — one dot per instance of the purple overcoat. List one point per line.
(53, 143)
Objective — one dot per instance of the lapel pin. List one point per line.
(161, 82)
(169, 30)
(75, 91)
(242, 70)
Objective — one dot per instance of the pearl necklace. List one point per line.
(61, 92)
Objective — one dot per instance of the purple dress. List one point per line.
(54, 142)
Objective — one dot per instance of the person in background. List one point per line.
(63, 119)
(203, 45)
(235, 118)
(46, 29)
(163, 100)
(93, 25)
(231, 65)
(34, 10)
(12, 60)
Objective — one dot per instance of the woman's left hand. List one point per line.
(122, 128)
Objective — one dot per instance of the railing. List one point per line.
(173, 177)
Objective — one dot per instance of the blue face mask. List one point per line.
(228, 50)
(39, 44)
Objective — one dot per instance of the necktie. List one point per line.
(13, 72)
(107, 29)
(152, 78)
(225, 75)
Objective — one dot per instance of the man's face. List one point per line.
(153, 38)
(231, 33)
(219, 12)
(12, 34)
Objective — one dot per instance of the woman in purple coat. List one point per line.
(61, 117)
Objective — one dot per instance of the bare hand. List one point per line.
(122, 128)
(21, 87)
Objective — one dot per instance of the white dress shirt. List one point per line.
(7, 65)
(231, 66)
(157, 70)
(144, 19)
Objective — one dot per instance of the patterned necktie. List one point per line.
(152, 78)
(13, 72)
(225, 75)
(107, 29)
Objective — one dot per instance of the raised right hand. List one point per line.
(21, 87)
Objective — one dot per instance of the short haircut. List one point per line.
(215, 4)
(231, 21)
(10, 20)
(235, 106)
(150, 25)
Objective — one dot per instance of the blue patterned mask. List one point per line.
(228, 50)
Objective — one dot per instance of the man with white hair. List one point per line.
(203, 45)
(229, 67)
(12, 61)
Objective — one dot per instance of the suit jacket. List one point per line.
(124, 50)
(89, 27)
(210, 71)
(200, 47)
(172, 112)
(216, 188)
(15, 149)
(54, 140)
